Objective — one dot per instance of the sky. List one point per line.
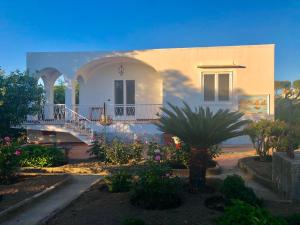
(87, 25)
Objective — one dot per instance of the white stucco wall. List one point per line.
(164, 75)
(97, 86)
(178, 68)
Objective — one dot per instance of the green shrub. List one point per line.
(241, 213)
(156, 189)
(9, 161)
(119, 182)
(132, 221)
(177, 157)
(155, 149)
(41, 156)
(293, 219)
(136, 151)
(234, 187)
(117, 152)
(99, 150)
(267, 135)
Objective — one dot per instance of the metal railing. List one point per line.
(134, 112)
(110, 113)
(105, 114)
(78, 123)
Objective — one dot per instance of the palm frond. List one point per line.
(201, 127)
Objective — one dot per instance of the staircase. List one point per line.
(66, 120)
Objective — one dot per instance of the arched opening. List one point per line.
(53, 82)
(59, 89)
(122, 87)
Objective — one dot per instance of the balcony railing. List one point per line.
(105, 114)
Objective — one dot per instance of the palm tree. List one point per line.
(200, 129)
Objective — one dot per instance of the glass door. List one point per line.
(130, 97)
(124, 97)
(119, 97)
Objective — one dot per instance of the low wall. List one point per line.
(286, 175)
(43, 137)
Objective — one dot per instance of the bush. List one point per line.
(98, 150)
(117, 152)
(178, 157)
(156, 151)
(156, 189)
(293, 219)
(267, 135)
(133, 221)
(241, 213)
(119, 182)
(9, 161)
(234, 187)
(41, 156)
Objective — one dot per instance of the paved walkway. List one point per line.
(54, 202)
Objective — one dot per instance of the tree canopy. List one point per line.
(20, 95)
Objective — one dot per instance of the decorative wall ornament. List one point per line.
(256, 104)
(121, 70)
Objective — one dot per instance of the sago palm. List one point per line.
(200, 129)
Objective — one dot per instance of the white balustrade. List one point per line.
(109, 113)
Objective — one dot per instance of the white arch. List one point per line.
(84, 71)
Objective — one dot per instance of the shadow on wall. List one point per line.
(178, 87)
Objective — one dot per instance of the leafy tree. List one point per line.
(20, 95)
(288, 110)
(281, 85)
(59, 93)
(296, 84)
(200, 129)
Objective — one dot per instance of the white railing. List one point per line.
(78, 123)
(59, 114)
(49, 113)
(134, 112)
(105, 114)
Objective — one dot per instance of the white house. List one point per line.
(122, 92)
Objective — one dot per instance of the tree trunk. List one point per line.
(199, 160)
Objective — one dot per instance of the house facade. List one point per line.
(123, 92)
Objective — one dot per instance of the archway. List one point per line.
(53, 82)
(125, 87)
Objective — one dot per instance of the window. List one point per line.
(209, 87)
(216, 86)
(127, 97)
(223, 87)
(119, 97)
(130, 97)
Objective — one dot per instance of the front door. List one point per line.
(124, 97)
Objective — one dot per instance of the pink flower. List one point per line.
(18, 152)
(157, 157)
(7, 139)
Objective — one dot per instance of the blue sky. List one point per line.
(76, 25)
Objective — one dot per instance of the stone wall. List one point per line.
(286, 175)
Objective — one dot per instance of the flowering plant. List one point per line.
(9, 160)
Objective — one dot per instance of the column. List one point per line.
(49, 99)
(70, 96)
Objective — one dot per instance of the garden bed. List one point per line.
(260, 171)
(101, 207)
(93, 166)
(26, 187)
